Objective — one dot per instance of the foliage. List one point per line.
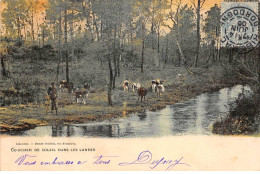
(212, 24)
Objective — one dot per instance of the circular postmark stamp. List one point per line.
(239, 28)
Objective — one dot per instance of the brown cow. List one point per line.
(86, 86)
(142, 92)
(64, 84)
(83, 94)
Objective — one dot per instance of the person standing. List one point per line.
(52, 92)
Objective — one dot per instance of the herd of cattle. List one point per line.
(157, 87)
(82, 94)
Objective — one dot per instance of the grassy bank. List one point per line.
(22, 117)
(243, 118)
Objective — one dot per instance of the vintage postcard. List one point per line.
(129, 85)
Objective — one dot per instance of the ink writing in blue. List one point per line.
(103, 159)
(58, 162)
(26, 160)
(30, 160)
(146, 157)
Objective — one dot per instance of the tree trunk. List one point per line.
(101, 29)
(24, 31)
(95, 24)
(152, 29)
(198, 35)
(131, 36)
(88, 21)
(59, 49)
(152, 33)
(109, 92)
(54, 33)
(167, 50)
(72, 48)
(114, 59)
(143, 42)
(19, 31)
(121, 38)
(66, 44)
(158, 36)
(43, 36)
(32, 28)
(183, 58)
(3, 66)
(118, 61)
(230, 59)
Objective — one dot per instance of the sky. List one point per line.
(208, 4)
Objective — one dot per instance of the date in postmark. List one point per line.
(239, 25)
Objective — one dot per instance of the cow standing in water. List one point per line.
(142, 92)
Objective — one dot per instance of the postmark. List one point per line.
(239, 25)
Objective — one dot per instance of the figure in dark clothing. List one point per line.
(52, 92)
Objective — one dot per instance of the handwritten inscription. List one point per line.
(103, 159)
(145, 158)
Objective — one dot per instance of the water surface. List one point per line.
(195, 116)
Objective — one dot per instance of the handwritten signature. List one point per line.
(144, 158)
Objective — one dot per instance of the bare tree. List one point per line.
(198, 7)
(174, 17)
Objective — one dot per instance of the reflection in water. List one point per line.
(200, 112)
(194, 116)
(142, 115)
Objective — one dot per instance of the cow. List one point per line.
(81, 94)
(64, 84)
(86, 86)
(142, 92)
(135, 87)
(158, 82)
(126, 85)
(154, 85)
(159, 87)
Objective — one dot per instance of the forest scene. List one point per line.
(123, 68)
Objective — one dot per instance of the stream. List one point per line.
(192, 117)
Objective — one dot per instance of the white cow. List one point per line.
(126, 85)
(135, 87)
(159, 87)
(81, 95)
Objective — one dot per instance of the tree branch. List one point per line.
(193, 3)
(202, 3)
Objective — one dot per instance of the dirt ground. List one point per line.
(23, 117)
